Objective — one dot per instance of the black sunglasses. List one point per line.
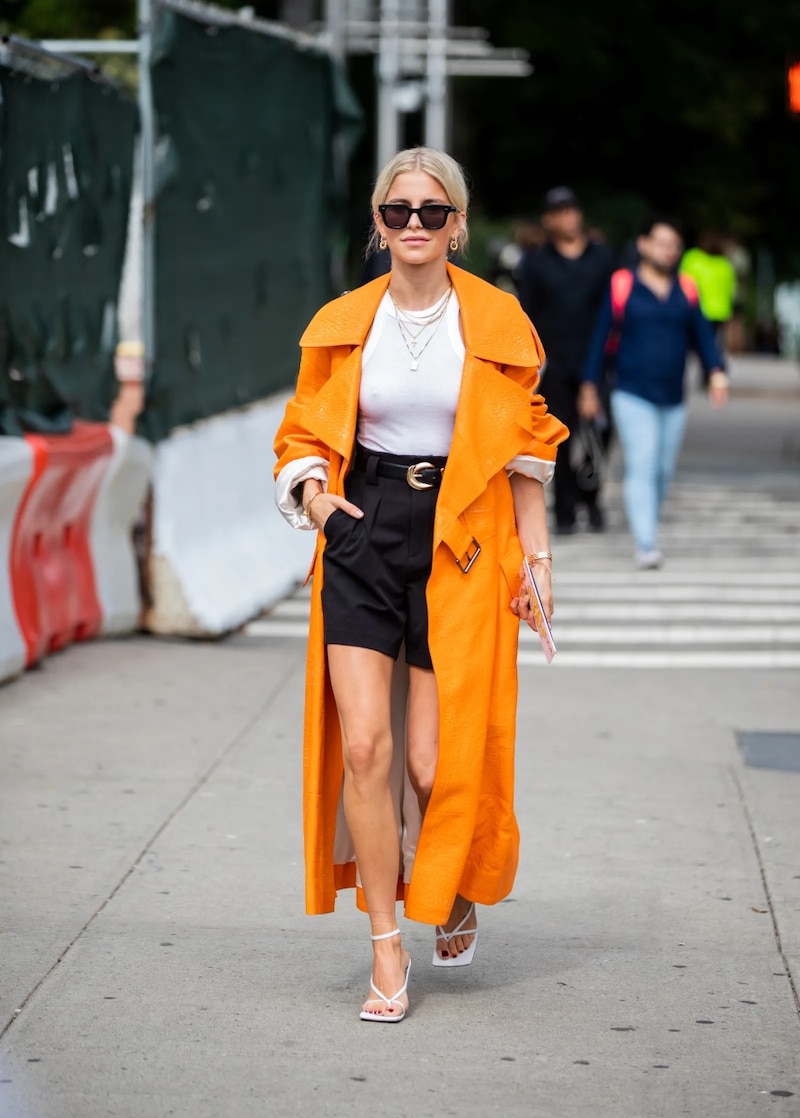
(432, 216)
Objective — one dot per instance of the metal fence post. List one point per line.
(436, 84)
(388, 71)
(147, 149)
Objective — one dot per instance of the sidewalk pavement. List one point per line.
(156, 959)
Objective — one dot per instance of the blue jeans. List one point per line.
(650, 436)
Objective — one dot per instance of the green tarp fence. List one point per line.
(66, 150)
(249, 210)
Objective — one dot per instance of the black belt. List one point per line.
(419, 473)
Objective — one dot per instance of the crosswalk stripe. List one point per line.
(675, 611)
(579, 610)
(727, 597)
(746, 635)
(268, 628)
(584, 601)
(653, 581)
(665, 594)
(743, 660)
(291, 607)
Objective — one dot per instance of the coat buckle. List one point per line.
(471, 554)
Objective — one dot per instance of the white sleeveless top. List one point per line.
(404, 411)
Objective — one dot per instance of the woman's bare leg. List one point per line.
(422, 732)
(423, 755)
(361, 681)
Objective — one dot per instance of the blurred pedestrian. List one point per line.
(628, 255)
(505, 255)
(561, 286)
(528, 237)
(660, 321)
(737, 338)
(415, 444)
(711, 269)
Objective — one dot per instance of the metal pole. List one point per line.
(334, 33)
(334, 28)
(91, 46)
(388, 70)
(436, 84)
(147, 143)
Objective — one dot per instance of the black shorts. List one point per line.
(376, 569)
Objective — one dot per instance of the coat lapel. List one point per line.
(493, 417)
(332, 414)
(341, 325)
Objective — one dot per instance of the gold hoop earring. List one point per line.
(383, 243)
(454, 244)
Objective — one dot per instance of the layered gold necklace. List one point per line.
(407, 319)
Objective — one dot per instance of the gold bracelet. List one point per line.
(538, 557)
(310, 502)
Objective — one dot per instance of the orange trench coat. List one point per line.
(468, 841)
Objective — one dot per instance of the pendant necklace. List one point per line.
(410, 339)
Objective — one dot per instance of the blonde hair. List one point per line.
(440, 166)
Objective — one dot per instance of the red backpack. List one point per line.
(621, 286)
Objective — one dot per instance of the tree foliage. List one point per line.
(678, 106)
(68, 19)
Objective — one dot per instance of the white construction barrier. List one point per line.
(119, 507)
(16, 468)
(220, 552)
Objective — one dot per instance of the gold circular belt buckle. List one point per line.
(413, 475)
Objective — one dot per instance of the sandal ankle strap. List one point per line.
(387, 935)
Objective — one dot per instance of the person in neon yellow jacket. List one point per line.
(715, 276)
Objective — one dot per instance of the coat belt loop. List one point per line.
(462, 544)
(466, 560)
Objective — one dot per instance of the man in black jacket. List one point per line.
(561, 286)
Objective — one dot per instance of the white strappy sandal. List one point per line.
(465, 957)
(391, 1018)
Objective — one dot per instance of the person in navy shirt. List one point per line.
(652, 336)
(560, 286)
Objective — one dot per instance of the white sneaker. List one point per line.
(648, 559)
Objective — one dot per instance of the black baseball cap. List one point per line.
(560, 198)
